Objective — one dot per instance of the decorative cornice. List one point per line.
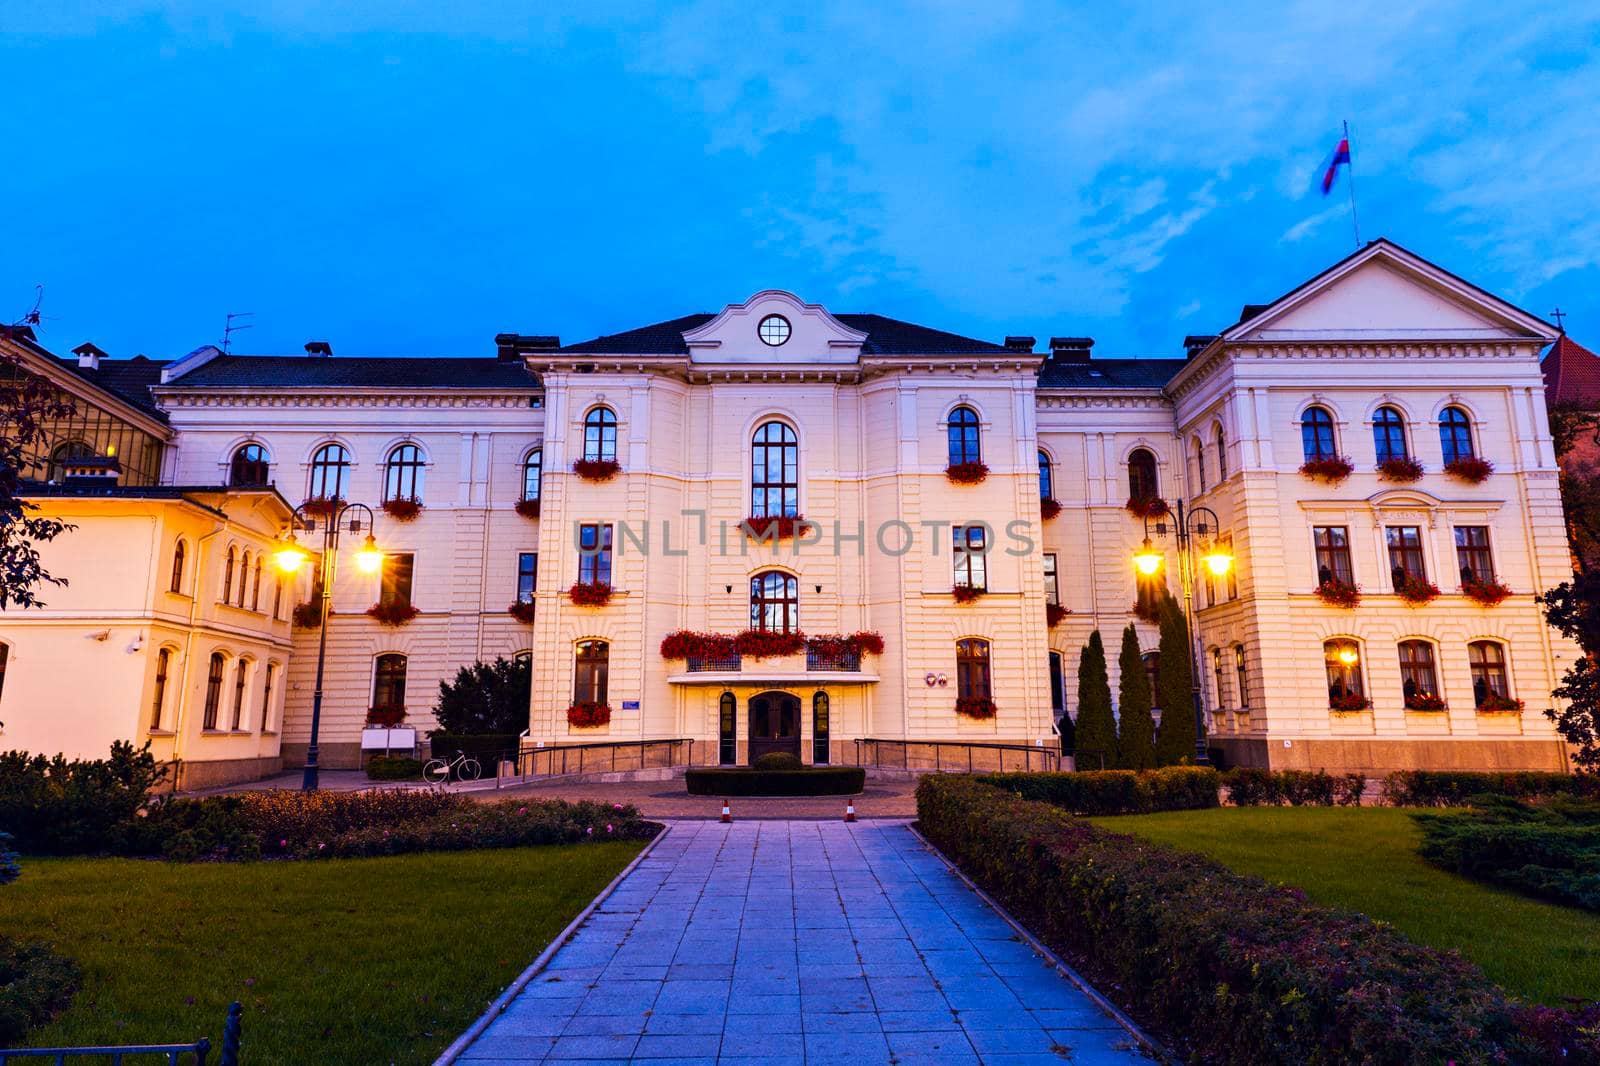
(455, 398)
(1131, 399)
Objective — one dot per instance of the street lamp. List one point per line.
(332, 517)
(1148, 561)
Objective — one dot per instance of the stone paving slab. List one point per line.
(791, 942)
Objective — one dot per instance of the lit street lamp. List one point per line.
(290, 557)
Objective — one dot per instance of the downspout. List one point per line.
(188, 649)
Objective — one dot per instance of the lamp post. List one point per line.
(1147, 560)
(333, 516)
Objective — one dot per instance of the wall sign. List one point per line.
(630, 705)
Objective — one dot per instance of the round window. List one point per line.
(774, 330)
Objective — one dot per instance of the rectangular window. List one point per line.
(238, 696)
(396, 588)
(590, 678)
(213, 692)
(1211, 586)
(1226, 544)
(266, 697)
(1405, 554)
(158, 702)
(527, 576)
(1052, 591)
(1243, 673)
(277, 598)
(1333, 554)
(1472, 553)
(594, 554)
(971, 569)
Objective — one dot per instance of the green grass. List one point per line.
(1365, 859)
(351, 961)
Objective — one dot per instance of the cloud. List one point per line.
(1312, 223)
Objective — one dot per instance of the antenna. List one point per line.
(32, 318)
(230, 329)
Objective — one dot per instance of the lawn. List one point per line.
(352, 961)
(1365, 859)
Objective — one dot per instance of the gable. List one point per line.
(814, 336)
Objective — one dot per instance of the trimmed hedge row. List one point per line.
(1551, 851)
(1228, 967)
(394, 768)
(1173, 788)
(1452, 788)
(1298, 788)
(749, 781)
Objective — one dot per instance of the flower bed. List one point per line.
(1249, 787)
(1494, 703)
(402, 510)
(1426, 701)
(1227, 968)
(387, 717)
(1471, 469)
(307, 615)
(753, 781)
(1048, 508)
(1336, 593)
(979, 707)
(1401, 470)
(1055, 614)
(588, 715)
(1487, 593)
(528, 508)
(1092, 792)
(393, 612)
(1332, 469)
(1345, 702)
(589, 593)
(1147, 507)
(596, 469)
(779, 526)
(966, 473)
(1455, 788)
(1417, 591)
(966, 593)
(522, 611)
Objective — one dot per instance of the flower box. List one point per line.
(393, 612)
(1348, 702)
(596, 469)
(759, 526)
(966, 593)
(833, 646)
(975, 707)
(687, 644)
(1470, 469)
(528, 508)
(1336, 593)
(522, 611)
(1055, 614)
(589, 593)
(765, 644)
(1048, 508)
(322, 506)
(1494, 703)
(386, 716)
(1147, 507)
(1488, 593)
(1331, 469)
(306, 616)
(1403, 470)
(1417, 591)
(588, 715)
(966, 473)
(1425, 701)
(402, 510)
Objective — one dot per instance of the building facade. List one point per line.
(655, 517)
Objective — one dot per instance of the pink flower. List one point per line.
(283, 843)
(321, 846)
(616, 806)
(522, 810)
(589, 831)
(608, 827)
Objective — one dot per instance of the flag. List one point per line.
(1341, 155)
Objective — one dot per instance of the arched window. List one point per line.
(1418, 682)
(1389, 434)
(1488, 661)
(820, 709)
(600, 434)
(775, 602)
(268, 688)
(1152, 673)
(227, 575)
(158, 701)
(727, 729)
(250, 466)
(1222, 455)
(402, 476)
(1455, 434)
(255, 584)
(1218, 674)
(213, 690)
(1316, 434)
(1200, 462)
(64, 453)
(1343, 661)
(963, 431)
(1047, 481)
(389, 683)
(238, 695)
(244, 577)
(533, 474)
(775, 472)
(590, 676)
(1142, 483)
(179, 552)
(330, 472)
(972, 669)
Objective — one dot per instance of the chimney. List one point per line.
(320, 349)
(1020, 344)
(1070, 349)
(89, 356)
(509, 346)
(1195, 343)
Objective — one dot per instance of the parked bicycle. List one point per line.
(463, 768)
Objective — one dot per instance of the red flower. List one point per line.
(386, 716)
(588, 715)
(402, 510)
(1049, 508)
(758, 526)
(1494, 703)
(687, 644)
(596, 469)
(1332, 469)
(522, 611)
(1336, 593)
(1417, 591)
(1348, 701)
(321, 506)
(1425, 701)
(966, 593)
(1147, 507)
(1488, 592)
(1402, 469)
(589, 593)
(768, 644)
(528, 508)
(966, 473)
(975, 707)
(306, 616)
(1470, 468)
(393, 612)
(1055, 614)
(867, 642)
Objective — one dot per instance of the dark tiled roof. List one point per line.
(1571, 373)
(129, 379)
(660, 338)
(300, 371)
(885, 336)
(1109, 374)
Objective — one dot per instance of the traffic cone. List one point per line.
(849, 810)
(727, 815)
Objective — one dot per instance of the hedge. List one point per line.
(481, 746)
(1452, 788)
(1551, 851)
(1298, 788)
(1173, 788)
(1228, 968)
(56, 806)
(394, 768)
(746, 781)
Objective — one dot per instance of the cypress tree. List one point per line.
(1136, 744)
(1175, 739)
(1097, 728)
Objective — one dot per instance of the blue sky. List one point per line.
(412, 178)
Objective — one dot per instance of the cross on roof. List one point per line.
(1560, 317)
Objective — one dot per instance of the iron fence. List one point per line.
(951, 756)
(232, 1032)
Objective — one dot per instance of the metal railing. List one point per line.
(604, 757)
(728, 663)
(952, 756)
(200, 1049)
(847, 662)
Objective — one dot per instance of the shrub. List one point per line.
(1229, 968)
(1175, 739)
(52, 806)
(394, 768)
(1551, 851)
(1175, 788)
(9, 869)
(742, 781)
(778, 760)
(35, 985)
(1250, 787)
(1096, 729)
(189, 830)
(1136, 740)
(486, 698)
(1458, 788)
(307, 615)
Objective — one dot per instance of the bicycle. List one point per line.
(463, 766)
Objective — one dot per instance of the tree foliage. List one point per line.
(1136, 740)
(1096, 728)
(1573, 608)
(1175, 739)
(486, 698)
(28, 404)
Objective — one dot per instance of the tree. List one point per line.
(1097, 728)
(1175, 739)
(486, 698)
(28, 405)
(1136, 742)
(1573, 607)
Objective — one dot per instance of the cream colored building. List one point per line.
(777, 408)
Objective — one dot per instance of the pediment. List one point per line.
(814, 335)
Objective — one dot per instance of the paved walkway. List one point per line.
(799, 942)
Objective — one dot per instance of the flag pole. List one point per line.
(1350, 177)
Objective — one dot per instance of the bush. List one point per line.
(52, 806)
(9, 870)
(1175, 788)
(1228, 968)
(35, 985)
(1456, 788)
(394, 768)
(485, 747)
(1249, 787)
(486, 698)
(1551, 851)
(779, 760)
(751, 781)
(188, 830)
(1095, 742)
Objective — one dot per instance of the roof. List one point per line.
(1109, 373)
(1571, 373)
(302, 371)
(85, 489)
(885, 336)
(129, 379)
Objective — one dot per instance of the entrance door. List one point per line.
(774, 724)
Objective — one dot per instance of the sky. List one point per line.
(409, 178)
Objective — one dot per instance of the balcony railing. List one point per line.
(714, 664)
(837, 661)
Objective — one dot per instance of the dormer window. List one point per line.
(774, 330)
